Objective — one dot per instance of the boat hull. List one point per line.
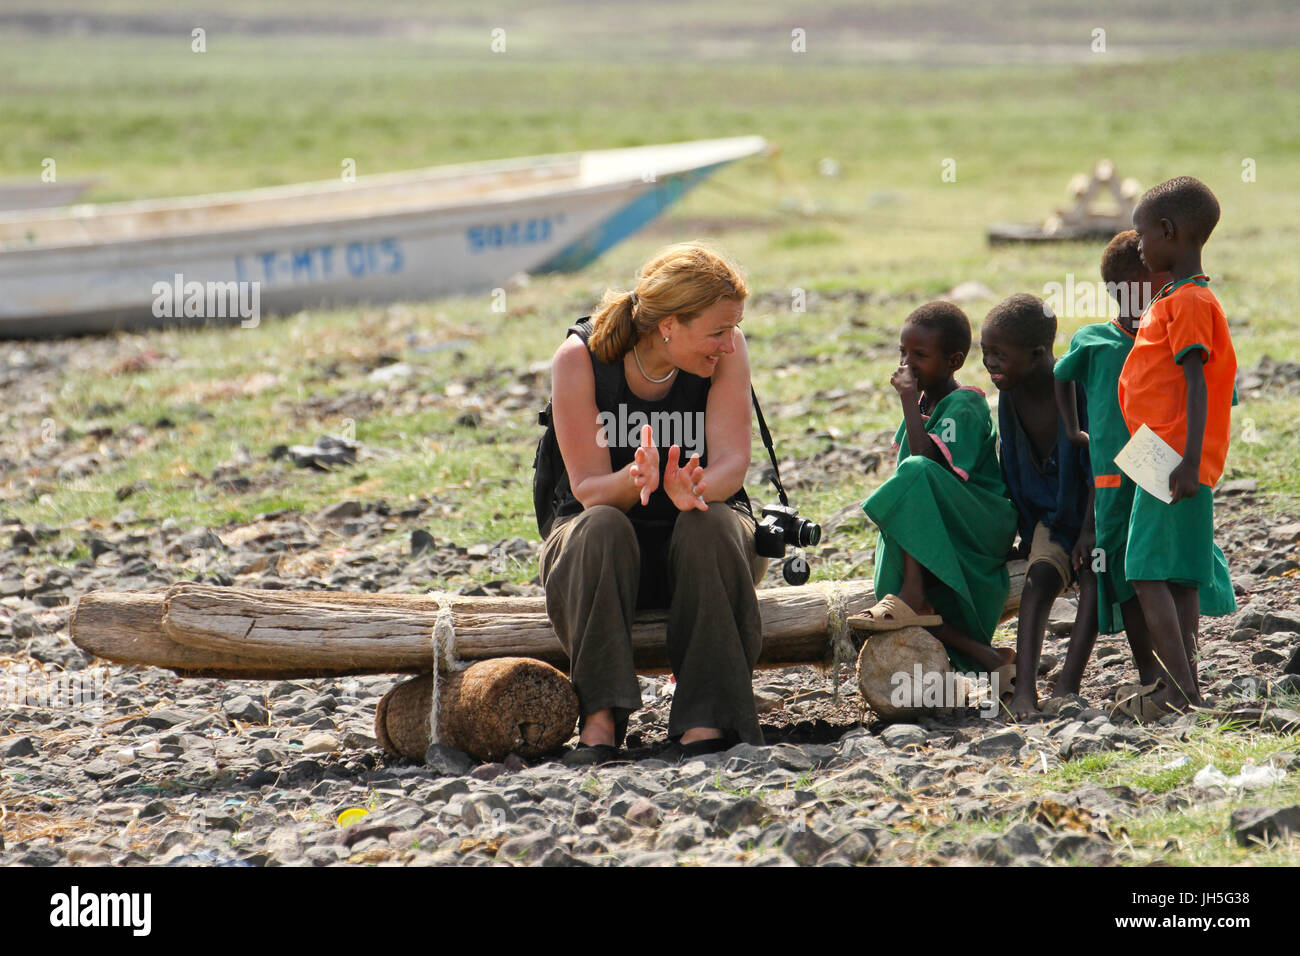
(413, 254)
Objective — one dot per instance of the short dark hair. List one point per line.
(948, 321)
(1121, 262)
(1187, 203)
(1028, 319)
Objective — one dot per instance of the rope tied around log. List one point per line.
(443, 640)
(839, 636)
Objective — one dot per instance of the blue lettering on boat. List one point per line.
(499, 235)
(394, 252)
(355, 258)
(316, 263)
(302, 265)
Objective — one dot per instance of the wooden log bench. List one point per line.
(202, 630)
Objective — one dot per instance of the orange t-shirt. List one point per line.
(1152, 389)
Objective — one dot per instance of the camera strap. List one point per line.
(767, 443)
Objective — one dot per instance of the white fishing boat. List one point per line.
(395, 236)
(41, 195)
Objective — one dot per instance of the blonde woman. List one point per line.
(651, 405)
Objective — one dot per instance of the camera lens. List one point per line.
(809, 533)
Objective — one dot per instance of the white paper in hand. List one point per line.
(1149, 461)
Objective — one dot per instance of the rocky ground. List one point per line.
(147, 768)
(237, 773)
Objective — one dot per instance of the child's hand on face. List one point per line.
(904, 381)
(1185, 480)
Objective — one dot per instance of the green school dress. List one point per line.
(1095, 359)
(958, 523)
(1166, 542)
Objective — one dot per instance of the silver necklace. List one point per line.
(641, 369)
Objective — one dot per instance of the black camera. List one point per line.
(782, 526)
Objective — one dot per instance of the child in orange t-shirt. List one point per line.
(1178, 381)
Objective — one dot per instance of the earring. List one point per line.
(665, 338)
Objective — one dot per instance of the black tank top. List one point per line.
(677, 418)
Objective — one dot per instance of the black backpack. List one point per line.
(551, 480)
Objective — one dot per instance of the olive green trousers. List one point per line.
(599, 569)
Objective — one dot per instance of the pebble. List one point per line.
(804, 846)
(242, 708)
(903, 735)
(614, 829)
(1019, 840)
(644, 813)
(531, 848)
(1267, 657)
(1288, 685)
(42, 856)
(447, 761)
(681, 835)
(743, 812)
(1238, 486)
(319, 743)
(1252, 826)
(1006, 743)
(18, 747)
(1275, 622)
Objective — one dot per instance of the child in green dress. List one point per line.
(945, 522)
(1096, 356)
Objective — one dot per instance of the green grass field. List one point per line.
(151, 118)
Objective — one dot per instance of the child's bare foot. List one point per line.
(1063, 689)
(918, 604)
(1171, 700)
(1024, 704)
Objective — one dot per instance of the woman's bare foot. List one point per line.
(598, 729)
(700, 733)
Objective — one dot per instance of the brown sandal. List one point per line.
(1139, 706)
(891, 614)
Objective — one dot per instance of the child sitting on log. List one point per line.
(1047, 476)
(1096, 357)
(944, 518)
(1178, 381)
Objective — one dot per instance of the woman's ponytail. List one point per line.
(614, 331)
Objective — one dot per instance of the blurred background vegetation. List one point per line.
(851, 208)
